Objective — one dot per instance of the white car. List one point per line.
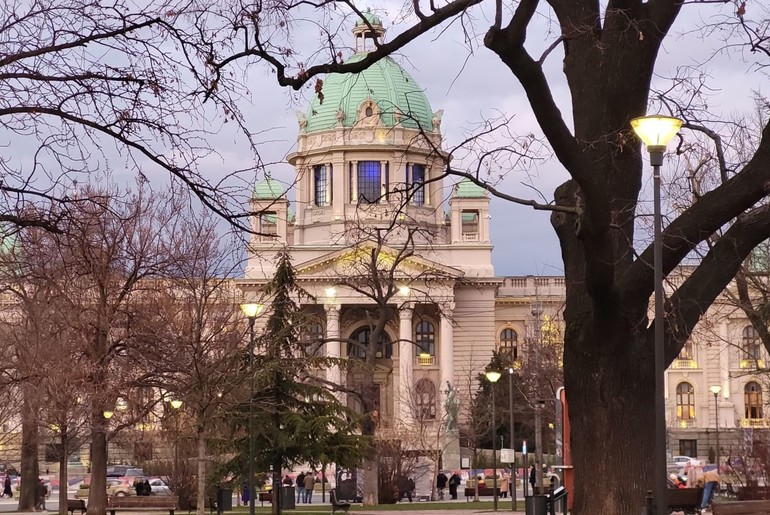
(683, 460)
(159, 487)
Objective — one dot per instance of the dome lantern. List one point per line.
(370, 27)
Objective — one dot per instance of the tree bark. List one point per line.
(63, 472)
(200, 508)
(29, 449)
(97, 493)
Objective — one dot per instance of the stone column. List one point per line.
(354, 183)
(333, 374)
(405, 364)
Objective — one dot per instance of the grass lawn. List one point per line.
(422, 506)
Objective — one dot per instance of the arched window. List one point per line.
(685, 401)
(425, 338)
(750, 343)
(384, 347)
(752, 399)
(425, 403)
(508, 342)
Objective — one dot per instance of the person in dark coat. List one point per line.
(441, 481)
(7, 491)
(454, 482)
(287, 480)
(532, 477)
(41, 491)
(147, 487)
(300, 487)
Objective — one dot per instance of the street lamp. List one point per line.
(513, 440)
(176, 404)
(251, 310)
(493, 376)
(656, 132)
(715, 390)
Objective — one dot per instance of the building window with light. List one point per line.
(369, 175)
(358, 347)
(509, 343)
(417, 184)
(425, 400)
(685, 401)
(752, 399)
(750, 344)
(425, 338)
(321, 185)
(686, 352)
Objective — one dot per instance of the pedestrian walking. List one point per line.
(532, 478)
(301, 487)
(309, 485)
(41, 491)
(454, 482)
(441, 482)
(7, 491)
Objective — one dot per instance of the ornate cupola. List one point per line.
(367, 148)
(368, 28)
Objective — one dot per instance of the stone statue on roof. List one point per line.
(302, 120)
(437, 120)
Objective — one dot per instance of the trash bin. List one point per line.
(224, 500)
(288, 498)
(536, 505)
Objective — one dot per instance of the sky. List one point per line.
(470, 84)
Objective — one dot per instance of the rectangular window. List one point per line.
(688, 448)
(320, 185)
(418, 184)
(268, 223)
(369, 182)
(470, 225)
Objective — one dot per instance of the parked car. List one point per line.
(119, 487)
(123, 471)
(159, 486)
(683, 460)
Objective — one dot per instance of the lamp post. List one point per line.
(513, 439)
(176, 404)
(655, 132)
(251, 310)
(107, 414)
(715, 390)
(493, 376)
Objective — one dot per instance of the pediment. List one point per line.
(349, 262)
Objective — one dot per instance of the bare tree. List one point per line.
(189, 335)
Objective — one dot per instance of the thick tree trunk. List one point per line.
(63, 473)
(611, 403)
(202, 457)
(29, 439)
(97, 493)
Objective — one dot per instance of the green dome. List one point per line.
(385, 82)
(466, 188)
(373, 19)
(268, 189)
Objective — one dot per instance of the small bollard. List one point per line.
(648, 503)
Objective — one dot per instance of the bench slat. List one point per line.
(741, 508)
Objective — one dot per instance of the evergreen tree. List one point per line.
(299, 418)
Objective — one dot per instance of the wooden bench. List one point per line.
(336, 505)
(684, 499)
(265, 497)
(483, 491)
(753, 493)
(741, 508)
(142, 503)
(74, 505)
